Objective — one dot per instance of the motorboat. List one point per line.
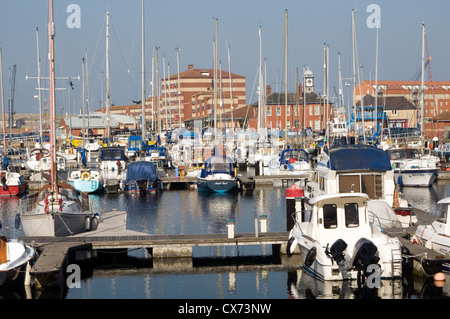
(340, 239)
(292, 162)
(141, 177)
(14, 257)
(112, 158)
(218, 174)
(86, 180)
(413, 169)
(361, 168)
(12, 183)
(436, 236)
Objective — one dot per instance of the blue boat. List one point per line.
(141, 177)
(86, 180)
(217, 175)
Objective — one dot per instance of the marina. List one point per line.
(203, 190)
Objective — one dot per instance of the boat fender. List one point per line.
(94, 221)
(310, 256)
(17, 221)
(290, 247)
(46, 208)
(60, 204)
(85, 175)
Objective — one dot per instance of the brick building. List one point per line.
(195, 96)
(436, 98)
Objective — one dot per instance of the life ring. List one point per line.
(310, 256)
(290, 247)
(85, 175)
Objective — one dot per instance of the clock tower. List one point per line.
(309, 81)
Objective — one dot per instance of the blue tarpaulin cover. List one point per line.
(141, 170)
(358, 157)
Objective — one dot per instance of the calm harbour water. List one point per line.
(215, 273)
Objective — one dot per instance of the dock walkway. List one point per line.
(56, 252)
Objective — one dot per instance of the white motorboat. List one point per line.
(436, 236)
(292, 162)
(340, 239)
(365, 169)
(413, 169)
(14, 257)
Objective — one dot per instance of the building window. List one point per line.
(278, 110)
(288, 111)
(269, 111)
(316, 110)
(310, 110)
(317, 125)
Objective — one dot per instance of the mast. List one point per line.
(108, 101)
(179, 89)
(422, 86)
(231, 90)
(143, 127)
(157, 93)
(39, 85)
(376, 81)
(3, 104)
(215, 81)
(51, 34)
(354, 78)
(285, 74)
(261, 124)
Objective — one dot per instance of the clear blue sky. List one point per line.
(190, 26)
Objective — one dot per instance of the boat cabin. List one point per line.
(441, 224)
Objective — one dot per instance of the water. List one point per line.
(215, 273)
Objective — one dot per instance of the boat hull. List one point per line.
(13, 271)
(87, 186)
(13, 190)
(216, 185)
(420, 178)
(58, 225)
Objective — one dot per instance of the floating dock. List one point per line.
(55, 253)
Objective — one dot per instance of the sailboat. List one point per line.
(11, 183)
(56, 209)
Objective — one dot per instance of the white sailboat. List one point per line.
(56, 209)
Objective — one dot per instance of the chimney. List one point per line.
(268, 90)
(190, 67)
(300, 90)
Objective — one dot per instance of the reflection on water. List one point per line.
(215, 272)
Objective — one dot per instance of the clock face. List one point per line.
(309, 82)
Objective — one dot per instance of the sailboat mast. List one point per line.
(260, 104)
(108, 101)
(143, 127)
(51, 33)
(215, 80)
(422, 85)
(285, 74)
(39, 85)
(231, 90)
(354, 78)
(178, 87)
(3, 104)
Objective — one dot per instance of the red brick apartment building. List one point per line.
(436, 99)
(195, 96)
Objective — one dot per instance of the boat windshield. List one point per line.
(402, 154)
(442, 215)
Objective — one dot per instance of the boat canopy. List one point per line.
(218, 164)
(112, 154)
(141, 170)
(293, 153)
(358, 157)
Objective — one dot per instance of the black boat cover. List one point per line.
(141, 171)
(358, 157)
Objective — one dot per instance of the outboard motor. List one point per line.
(365, 255)
(337, 251)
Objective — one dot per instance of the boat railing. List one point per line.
(26, 204)
(374, 220)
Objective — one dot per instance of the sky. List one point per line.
(190, 26)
